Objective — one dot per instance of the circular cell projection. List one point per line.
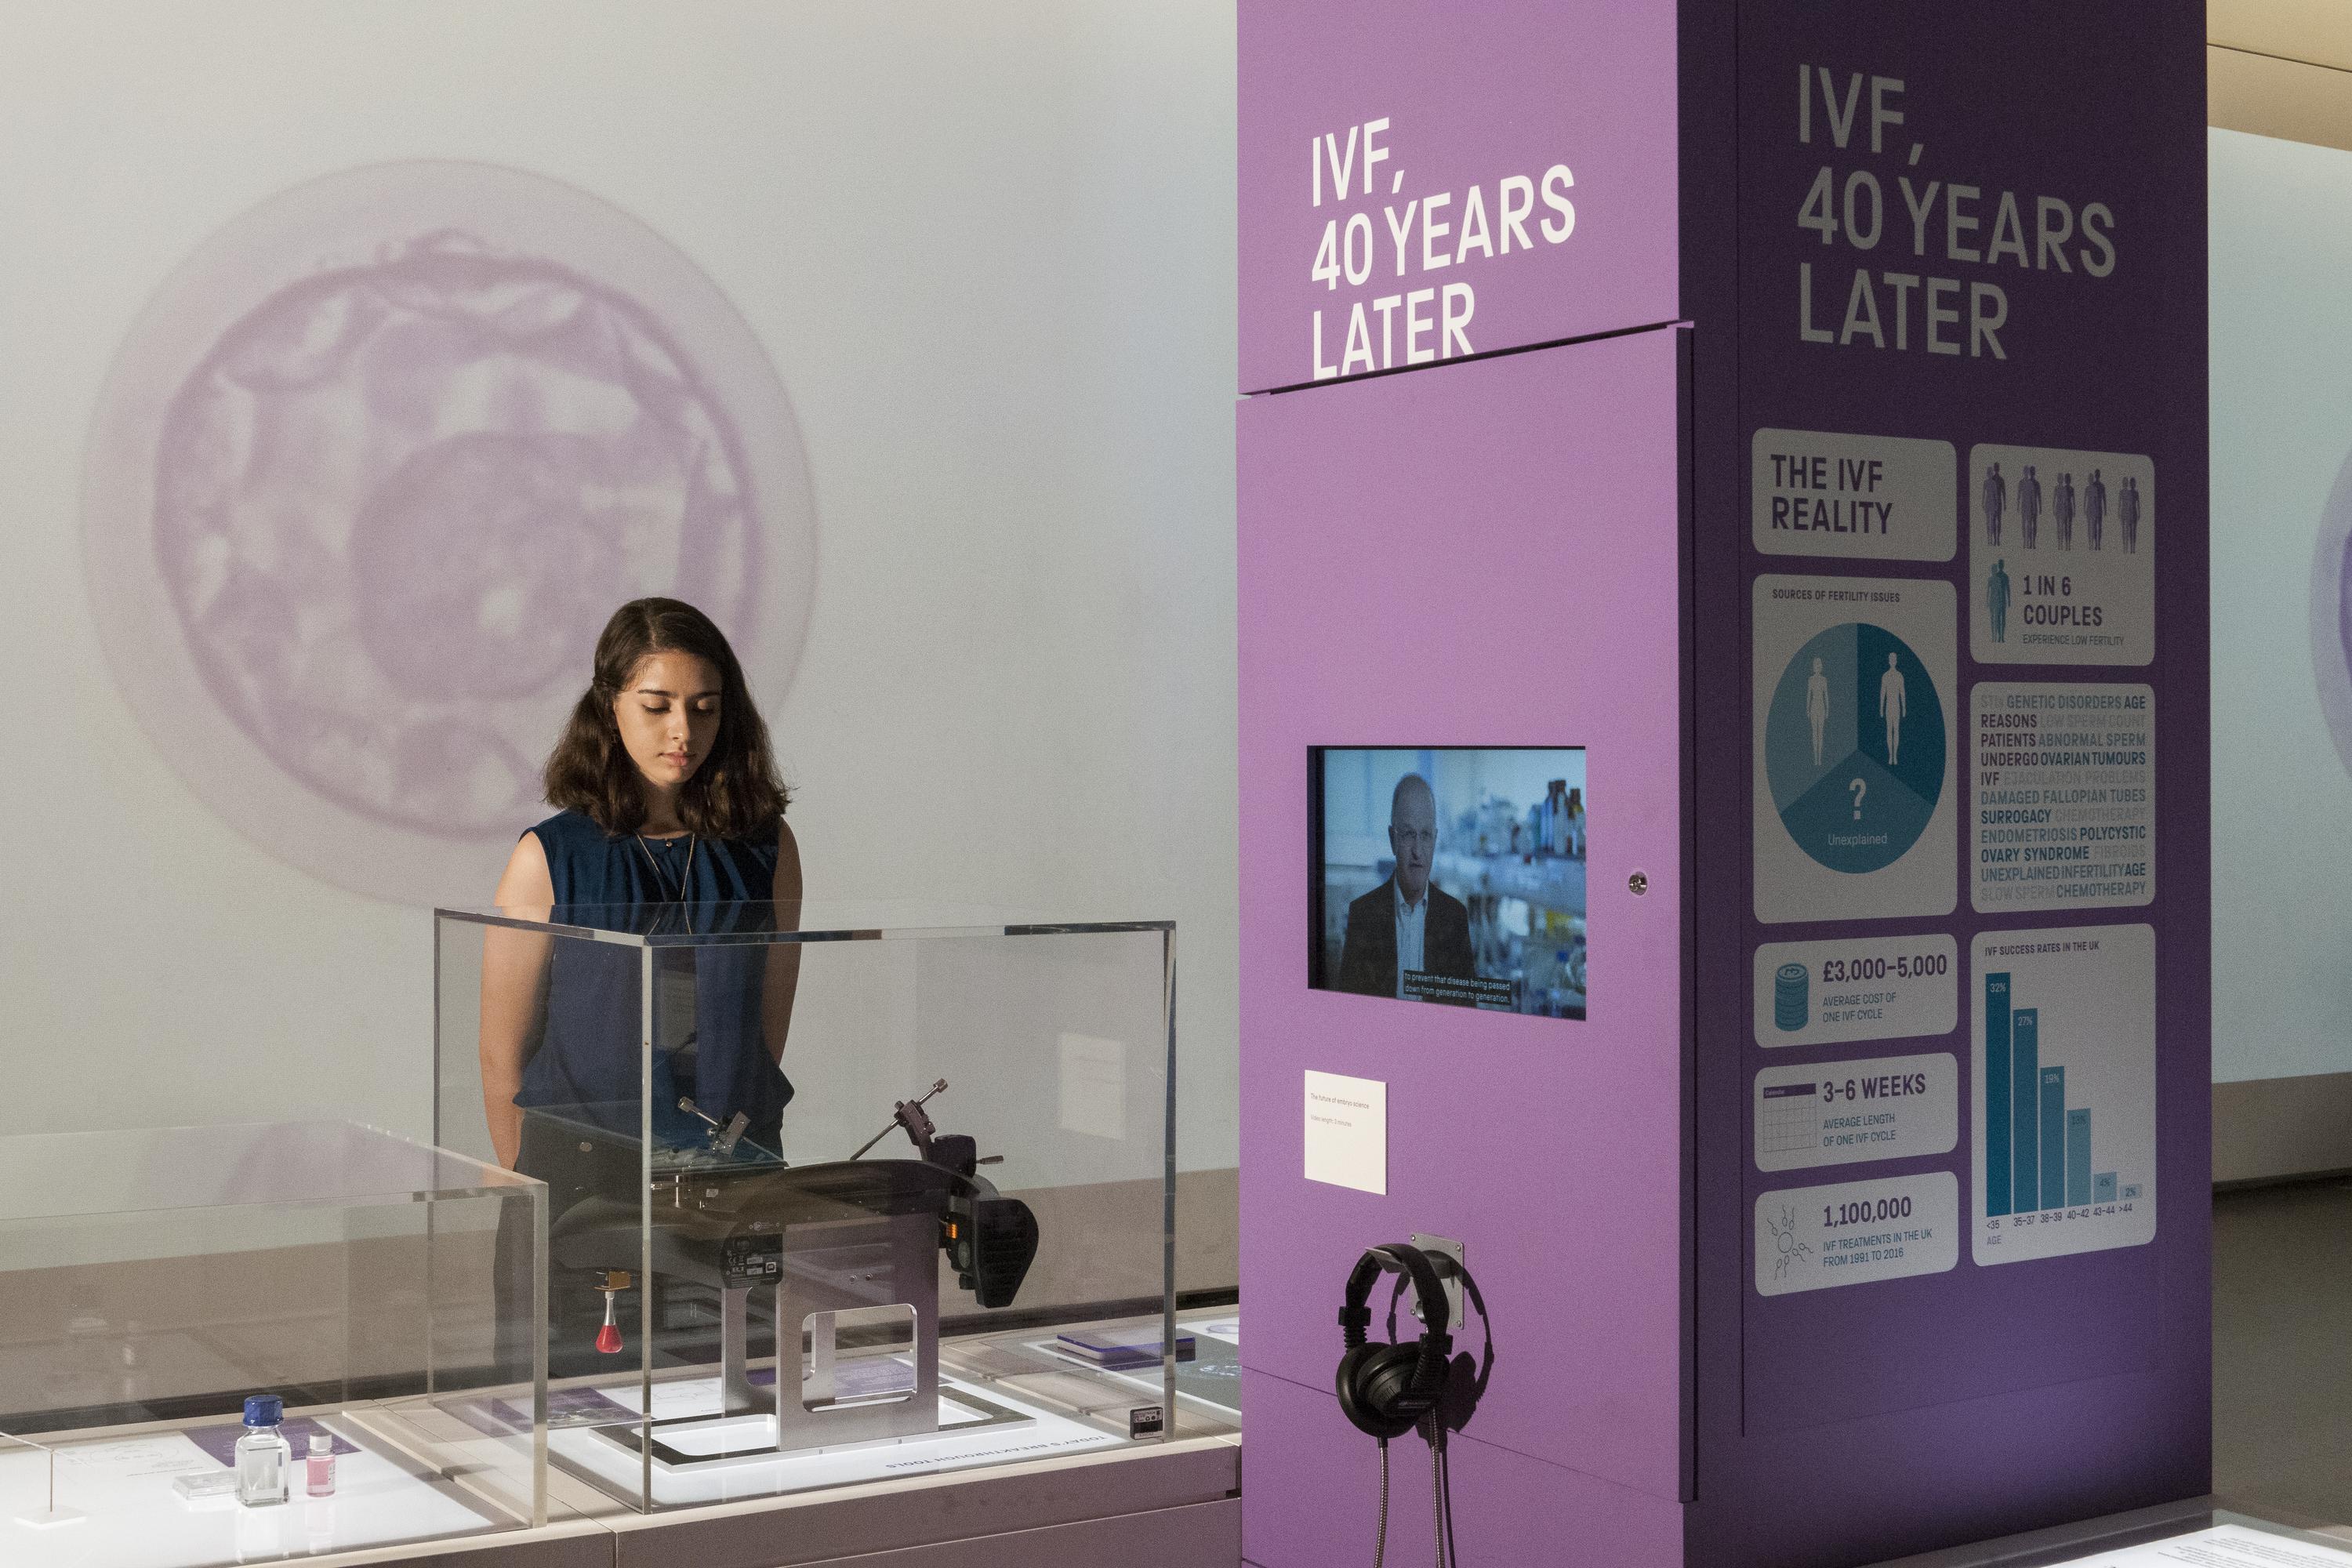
(371, 470)
(2331, 613)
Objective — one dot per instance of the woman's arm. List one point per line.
(512, 962)
(783, 977)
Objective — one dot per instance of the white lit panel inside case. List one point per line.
(1208, 1369)
(1002, 1398)
(2222, 1546)
(117, 1508)
(598, 1453)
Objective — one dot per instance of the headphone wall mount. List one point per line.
(1387, 1388)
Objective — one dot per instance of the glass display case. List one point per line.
(837, 1195)
(328, 1294)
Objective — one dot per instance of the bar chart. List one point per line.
(2037, 1147)
(2064, 1036)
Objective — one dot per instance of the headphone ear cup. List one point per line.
(1371, 1382)
(1460, 1400)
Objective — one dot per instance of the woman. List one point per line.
(668, 796)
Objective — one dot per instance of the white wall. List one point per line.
(987, 250)
(2282, 411)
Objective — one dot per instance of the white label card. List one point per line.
(1348, 1131)
(2064, 782)
(1094, 1086)
(1816, 1238)
(1859, 497)
(1856, 988)
(1841, 1113)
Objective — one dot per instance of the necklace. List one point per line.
(684, 880)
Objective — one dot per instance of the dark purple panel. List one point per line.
(1984, 1400)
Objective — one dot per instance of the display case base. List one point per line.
(50, 1518)
(741, 1439)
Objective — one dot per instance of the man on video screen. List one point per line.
(1406, 926)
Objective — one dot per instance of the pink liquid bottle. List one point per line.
(322, 1465)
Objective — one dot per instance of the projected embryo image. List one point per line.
(2331, 613)
(374, 467)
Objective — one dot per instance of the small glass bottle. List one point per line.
(322, 1465)
(264, 1457)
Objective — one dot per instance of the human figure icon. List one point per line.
(1997, 600)
(1817, 707)
(2062, 503)
(2127, 513)
(2029, 506)
(1892, 704)
(1996, 501)
(2094, 509)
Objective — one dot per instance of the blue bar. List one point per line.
(1996, 1093)
(2103, 1187)
(2078, 1158)
(2054, 1138)
(2024, 1114)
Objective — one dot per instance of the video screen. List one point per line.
(1452, 875)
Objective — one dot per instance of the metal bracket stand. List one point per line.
(1449, 1255)
(837, 1268)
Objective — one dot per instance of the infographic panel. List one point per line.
(1862, 497)
(1856, 988)
(2061, 556)
(2063, 786)
(1854, 1233)
(2065, 1050)
(1855, 698)
(1841, 1113)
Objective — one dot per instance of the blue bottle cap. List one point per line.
(264, 1410)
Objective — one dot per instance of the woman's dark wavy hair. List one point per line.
(734, 793)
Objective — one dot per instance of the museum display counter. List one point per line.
(226, 1344)
(1174, 1503)
(955, 1188)
(837, 1197)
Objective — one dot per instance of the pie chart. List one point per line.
(1853, 748)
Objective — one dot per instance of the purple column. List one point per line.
(1835, 223)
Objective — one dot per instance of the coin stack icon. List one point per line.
(1792, 1002)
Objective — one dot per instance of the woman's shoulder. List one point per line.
(763, 835)
(568, 828)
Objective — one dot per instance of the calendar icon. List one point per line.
(1792, 1118)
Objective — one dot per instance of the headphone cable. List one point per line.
(1437, 1484)
(1381, 1536)
(1446, 1495)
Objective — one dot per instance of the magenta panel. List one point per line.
(1463, 102)
(1478, 555)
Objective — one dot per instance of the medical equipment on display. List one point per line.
(845, 1251)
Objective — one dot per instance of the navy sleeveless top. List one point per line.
(586, 1066)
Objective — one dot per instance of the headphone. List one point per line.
(1388, 1389)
